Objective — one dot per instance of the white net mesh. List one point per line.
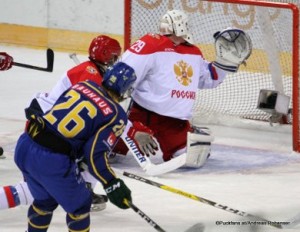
(238, 94)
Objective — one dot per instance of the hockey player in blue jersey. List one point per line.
(85, 123)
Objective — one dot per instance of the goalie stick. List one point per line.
(293, 222)
(50, 62)
(144, 162)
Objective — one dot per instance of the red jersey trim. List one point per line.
(152, 43)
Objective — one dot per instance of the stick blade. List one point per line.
(50, 59)
(50, 62)
(199, 227)
(171, 165)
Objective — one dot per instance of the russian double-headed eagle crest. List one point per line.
(184, 72)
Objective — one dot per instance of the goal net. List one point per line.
(273, 65)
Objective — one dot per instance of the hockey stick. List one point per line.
(295, 221)
(50, 62)
(199, 227)
(144, 216)
(146, 164)
(73, 56)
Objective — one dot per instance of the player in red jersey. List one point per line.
(170, 70)
(103, 52)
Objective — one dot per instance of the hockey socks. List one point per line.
(38, 220)
(79, 222)
(9, 197)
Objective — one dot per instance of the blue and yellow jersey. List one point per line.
(91, 122)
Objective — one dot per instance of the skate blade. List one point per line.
(98, 207)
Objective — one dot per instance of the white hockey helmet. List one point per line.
(175, 22)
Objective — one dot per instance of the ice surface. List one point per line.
(251, 170)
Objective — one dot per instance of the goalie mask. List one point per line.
(175, 22)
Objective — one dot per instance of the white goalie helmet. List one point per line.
(176, 22)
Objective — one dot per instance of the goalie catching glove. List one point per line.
(233, 48)
(143, 138)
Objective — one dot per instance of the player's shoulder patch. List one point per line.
(83, 67)
(90, 69)
(111, 140)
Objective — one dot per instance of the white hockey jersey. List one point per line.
(169, 75)
(82, 72)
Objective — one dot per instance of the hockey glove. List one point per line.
(143, 137)
(233, 47)
(117, 191)
(6, 61)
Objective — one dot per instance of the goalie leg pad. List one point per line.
(198, 147)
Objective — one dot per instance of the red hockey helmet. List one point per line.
(104, 49)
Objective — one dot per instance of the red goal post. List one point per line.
(273, 26)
